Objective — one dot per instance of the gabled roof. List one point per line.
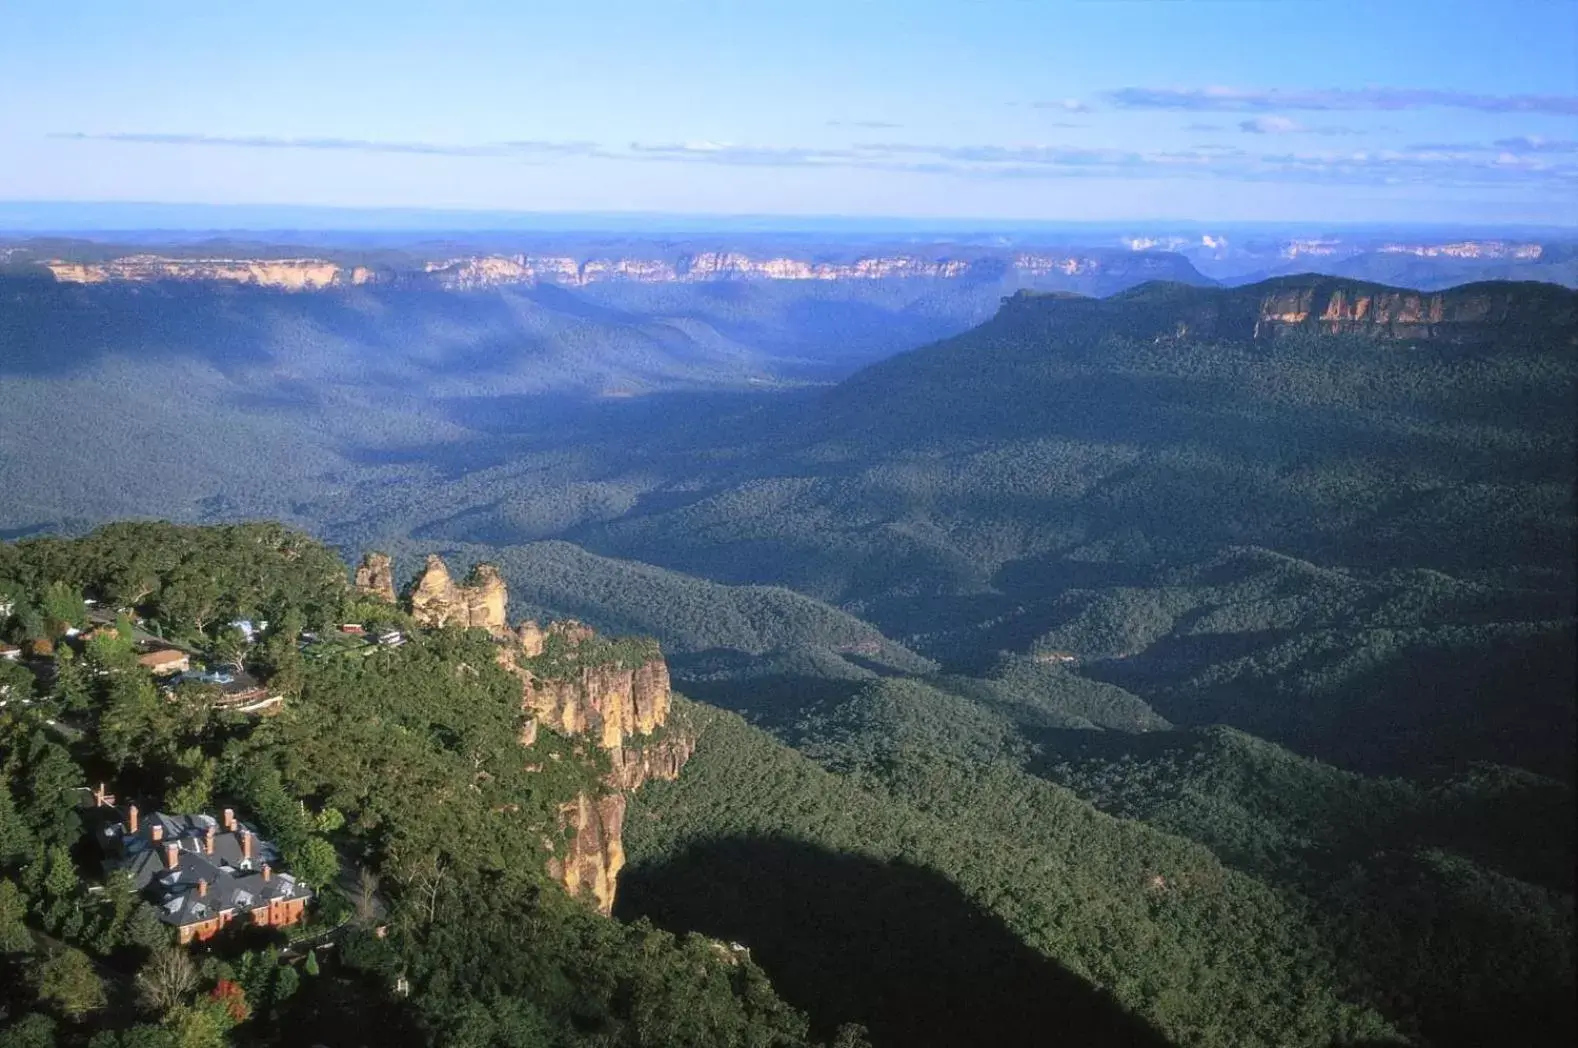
(234, 881)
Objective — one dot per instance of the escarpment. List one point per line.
(290, 274)
(1485, 313)
(475, 271)
(607, 690)
(1472, 313)
(613, 692)
(617, 694)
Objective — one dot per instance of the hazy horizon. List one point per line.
(43, 218)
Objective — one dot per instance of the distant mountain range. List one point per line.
(1099, 265)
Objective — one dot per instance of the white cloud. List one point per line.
(1063, 105)
(1271, 125)
(1235, 99)
(1543, 164)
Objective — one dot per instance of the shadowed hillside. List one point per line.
(886, 944)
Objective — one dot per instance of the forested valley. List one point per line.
(1137, 670)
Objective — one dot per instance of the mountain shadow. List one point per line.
(893, 946)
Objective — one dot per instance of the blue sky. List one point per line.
(1387, 110)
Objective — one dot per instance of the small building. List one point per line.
(165, 661)
(354, 628)
(10, 652)
(203, 873)
(242, 693)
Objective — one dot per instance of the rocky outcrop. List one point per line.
(608, 703)
(481, 603)
(375, 577)
(1471, 313)
(579, 684)
(632, 766)
(709, 266)
(1494, 313)
(595, 853)
(470, 272)
(290, 274)
(617, 694)
(614, 693)
(534, 639)
(1468, 249)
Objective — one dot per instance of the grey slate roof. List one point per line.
(234, 881)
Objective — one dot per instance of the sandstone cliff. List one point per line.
(291, 274)
(710, 266)
(616, 693)
(578, 683)
(1471, 313)
(468, 272)
(437, 599)
(595, 853)
(1496, 313)
(375, 577)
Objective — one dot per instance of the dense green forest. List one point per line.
(1245, 896)
(1204, 686)
(393, 783)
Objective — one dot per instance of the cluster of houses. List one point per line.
(203, 873)
(235, 689)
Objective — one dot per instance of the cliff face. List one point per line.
(375, 577)
(617, 694)
(1491, 313)
(614, 693)
(709, 266)
(1472, 313)
(1468, 249)
(481, 603)
(608, 703)
(468, 272)
(596, 852)
(290, 274)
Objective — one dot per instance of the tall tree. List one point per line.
(66, 979)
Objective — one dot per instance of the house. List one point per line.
(242, 693)
(354, 628)
(203, 873)
(10, 652)
(238, 691)
(165, 661)
(391, 638)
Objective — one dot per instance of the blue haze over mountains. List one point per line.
(1236, 540)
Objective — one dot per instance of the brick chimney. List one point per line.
(267, 873)
(230, 820)
(172, 854)
(202, 889)
(208, 840)
(131, 819)
(156, 832)
(246, 844)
